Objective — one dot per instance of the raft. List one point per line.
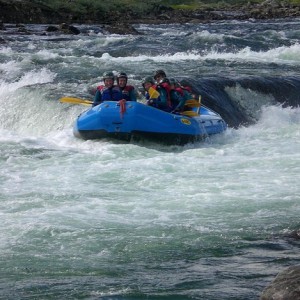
(137, 121)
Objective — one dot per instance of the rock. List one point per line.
(164, 17)
(120, 28)
(22, 29)
(52, 28)
(286, 286)
(74, 30)
(2, 27)
(294, 234)
(69, 29)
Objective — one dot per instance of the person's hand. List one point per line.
(150, 101)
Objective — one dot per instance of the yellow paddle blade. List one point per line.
(153, 93)
(190, 113)
(75, 101)
(192, 103)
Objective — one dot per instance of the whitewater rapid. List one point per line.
(107, 220)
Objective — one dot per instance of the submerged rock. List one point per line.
(286, 286)
(63, 28)
(294, 234)
(120, 28)
(2, 26)
(69, 29)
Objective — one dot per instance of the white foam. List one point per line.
(282, 55)
(30, 78)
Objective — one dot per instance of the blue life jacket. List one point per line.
(110, 94)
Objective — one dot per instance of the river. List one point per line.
(107, 220)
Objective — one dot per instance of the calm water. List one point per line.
(105, 220)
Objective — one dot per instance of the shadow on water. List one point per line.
(239, 101)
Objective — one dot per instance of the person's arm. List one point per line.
(187, 95)
(97, 98)
(133, 95)
(181, 101)
(162, 100)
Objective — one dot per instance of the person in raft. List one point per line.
(128, 91)
(108, 91)
(179, 95)
(157, 96)
(159, 75)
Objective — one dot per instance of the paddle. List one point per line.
(75, 101)
(153, 93)
(189, 113)
(192, 103)
(198, 109)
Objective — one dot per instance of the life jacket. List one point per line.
(187, 88)
(126, 92)
(110, 94)
(167, 87)
(185, 91)
(179, 90)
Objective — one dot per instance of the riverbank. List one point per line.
(117, 21)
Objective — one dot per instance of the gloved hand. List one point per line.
(151, 101)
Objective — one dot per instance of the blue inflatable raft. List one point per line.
(136, 121)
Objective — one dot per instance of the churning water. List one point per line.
(106, 220)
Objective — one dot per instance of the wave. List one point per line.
(240, 101)
(283, 55)
(280, 55)
(28, 79)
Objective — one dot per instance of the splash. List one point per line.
(28, 79)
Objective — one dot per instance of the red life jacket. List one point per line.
(167, 87)
(126, 92)
(179, 90)
(128, 88)
(187, 88)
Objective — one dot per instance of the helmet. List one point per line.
(173, 81)
(108, 75)
(122, 75)
(159, 73)
(165, 80)
(147, 79)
